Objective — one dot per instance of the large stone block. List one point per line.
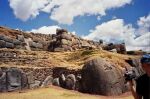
(39, 45)
(2, 44)
(8, 39)
(70, 81)
(35, 45)
(102, 77)
(17, 42)
(20, 38)
(66, 42)
(48, 81)
(15, 80)
(66, 36)
(9, 45)
(31, 78)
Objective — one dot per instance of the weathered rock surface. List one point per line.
(47, 81)
(101, 77)
(63, 41)
(70, 82)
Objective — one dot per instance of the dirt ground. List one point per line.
(57, 93)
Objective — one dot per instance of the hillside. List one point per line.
(50, 55)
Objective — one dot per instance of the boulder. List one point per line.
(30, 78)
(66, 36)
(62, 80)
(2, 44)
(35, 85)
(15, 79)
(70, 81)
(85, 44)
(24, 81)
(39, 45)
(56, 82)
(47, 81)
(32, 44)
(64, 42)
(20, 38)
(102, 77)
(113, 50)
(16, 42)
(8, 39)
(78, 83)
(9, 45)
(35, 45)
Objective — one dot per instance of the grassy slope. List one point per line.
(71, 60)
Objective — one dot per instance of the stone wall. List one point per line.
(118, 48)
(61, 41)
(65, 41)
(20, 42)
(7, 42)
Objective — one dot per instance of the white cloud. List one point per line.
(46, 30)
(116, 30)
(140, 43)
(64, 11)
(25, 9)
(144, 25)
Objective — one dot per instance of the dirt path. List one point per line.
(57, 93)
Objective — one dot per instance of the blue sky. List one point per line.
(30, 15)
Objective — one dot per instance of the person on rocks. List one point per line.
(142, 90)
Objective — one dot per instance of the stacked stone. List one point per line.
(120, 48)
(35, 45)
(76, 42)
(65, 41)
(19, 42)
(7, 42)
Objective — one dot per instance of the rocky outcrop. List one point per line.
(101, 77)
(61, 41)
(119, 48)
(65, 41)
(16, 39)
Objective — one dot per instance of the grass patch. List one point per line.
(87, 52)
